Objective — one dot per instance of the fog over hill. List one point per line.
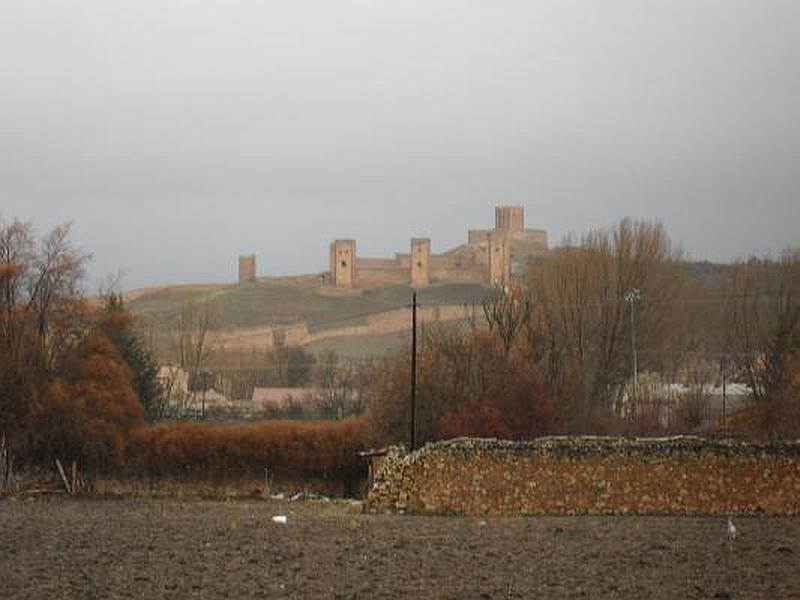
(178, 136)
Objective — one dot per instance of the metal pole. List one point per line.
(635, 361)
(632, 296)
(414, 371)
(204, 379)
(724, 398)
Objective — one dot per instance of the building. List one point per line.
(489, 257)
(343, 264)
(247, 268)
(280, 398)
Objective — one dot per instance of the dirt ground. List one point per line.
(162, 549)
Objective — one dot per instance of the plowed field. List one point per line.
(155, 549)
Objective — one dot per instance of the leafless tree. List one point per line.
(763, 300)
(508, 310)
(188, 344)
(335, 384)
(692, 407)
(43, 315)
(585, 319)
(40, 290)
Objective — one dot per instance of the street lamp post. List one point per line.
(632, 297)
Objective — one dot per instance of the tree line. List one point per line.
(568, 348)
(78, 382)
(590, 338)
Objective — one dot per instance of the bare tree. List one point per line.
(40, 290)
(335, 384)
(43, 315)
(763, 300)
(191, 333)
(508, 311)
(692, 407)
(581, 290)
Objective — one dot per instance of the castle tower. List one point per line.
(247, 268)
(499, 259)
(420, 262)
(343, 263)
(510, 218)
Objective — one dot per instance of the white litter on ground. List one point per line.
(279, 519)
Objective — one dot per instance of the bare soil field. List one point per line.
(167, 549)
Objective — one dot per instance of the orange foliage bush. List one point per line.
(289, 449)
(87, 412)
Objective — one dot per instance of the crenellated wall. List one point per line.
(477, 260)
(509, 217)
(590, 475)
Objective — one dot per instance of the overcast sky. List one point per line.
(177, 134)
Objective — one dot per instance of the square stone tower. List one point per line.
(499, 259)
(343, 263)
(510, 218)
(420, 262)
(247, 268)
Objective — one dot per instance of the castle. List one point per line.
(488, 257)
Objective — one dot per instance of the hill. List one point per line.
(355, 324)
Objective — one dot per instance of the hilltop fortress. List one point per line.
(489, 257)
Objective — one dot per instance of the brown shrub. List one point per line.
(290, 450)
(476, 419)
(460, 370)
(86, 413)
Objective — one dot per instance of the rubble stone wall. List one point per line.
(590, 475)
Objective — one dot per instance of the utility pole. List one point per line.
(724, 396)
(413, 441)
(633, 296)
(204, 379)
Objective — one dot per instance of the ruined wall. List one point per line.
(499, 259)
(377, 277)
(464, 264)
(376, 263)
(529, 240)
(459, 275)
(247, 268)
(591, 475)
(465, 256)
(259, 338)
(467, 263)
(477, 236)
(343, 263)
(420, 262)
(399, 319)
(393, 321)
(380, 271)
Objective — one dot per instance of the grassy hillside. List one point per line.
(365, 346)
(286, 300)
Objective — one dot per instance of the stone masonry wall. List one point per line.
(247, 268)
(590, 475)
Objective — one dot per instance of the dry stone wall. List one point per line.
(590, 475)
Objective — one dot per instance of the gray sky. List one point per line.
(177, 134)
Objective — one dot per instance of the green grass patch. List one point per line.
(287, 300)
